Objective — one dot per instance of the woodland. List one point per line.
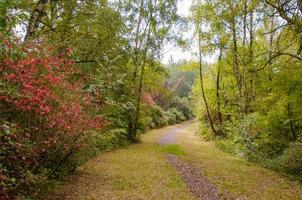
(83, 77)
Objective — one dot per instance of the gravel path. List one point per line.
(197, 184)
(170, 136)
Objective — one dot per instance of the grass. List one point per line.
(239, 177)
(137, 172)
(140, 172)
(173, 149)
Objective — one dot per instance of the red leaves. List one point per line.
(42, 80)
(50, 112)
(44, 88)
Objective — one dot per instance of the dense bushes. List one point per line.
(155, 117)
(174, 116)
(51, 120)
(182, 105)
(291, 159)
(42, 125)
(159, 117)
(255, 140)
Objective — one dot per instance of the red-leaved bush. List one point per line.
(45, 115)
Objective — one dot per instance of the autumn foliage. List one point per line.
(45, 114)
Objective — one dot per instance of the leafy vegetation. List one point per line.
(76, 80)
(251, 92)
(242, 179)
(82, 77)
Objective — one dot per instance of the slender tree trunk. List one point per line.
(132, 124)
(245, 96)
(244, 23)
(251, 63)
(202, 85)
(290, 116)
(299, 3)
(271, 39)
(218, 88)
(138, 103)
(35, 18)
(143, 63)
(236, 67)
(137, 45)
(290, 112)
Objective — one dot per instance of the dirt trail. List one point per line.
(169, 137)
(198, 184)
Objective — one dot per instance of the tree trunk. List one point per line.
(290, 116)
(245, 96)
(138, 103)
(202, 85)
(34, 19)
(244, 23)
(236, 67)
(299, 3)
(251, 63)
(218, 88)
(142, 63)
(271, 39)
(132, 124)
(290, 112)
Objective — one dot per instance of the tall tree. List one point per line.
(198, 27)
(35, 19)
(149, 24)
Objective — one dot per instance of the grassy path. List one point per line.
(141, 172)
(240, 178)
(138, 172)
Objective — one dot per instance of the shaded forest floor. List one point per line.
(159, 169)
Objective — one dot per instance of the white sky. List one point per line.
(177, 53)
(172, 50)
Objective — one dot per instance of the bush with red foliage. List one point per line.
(45, 115)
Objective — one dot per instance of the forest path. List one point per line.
(183, 167)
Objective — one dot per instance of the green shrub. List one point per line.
(171, 117)
(291, 159)
(113, 139)
(182, 105)
(174, 116)
(159, 119)
(228, 146)
(145, 119)
(205, 131)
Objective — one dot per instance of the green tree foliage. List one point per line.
(149, 24)
(92, 69)
(254, 87)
